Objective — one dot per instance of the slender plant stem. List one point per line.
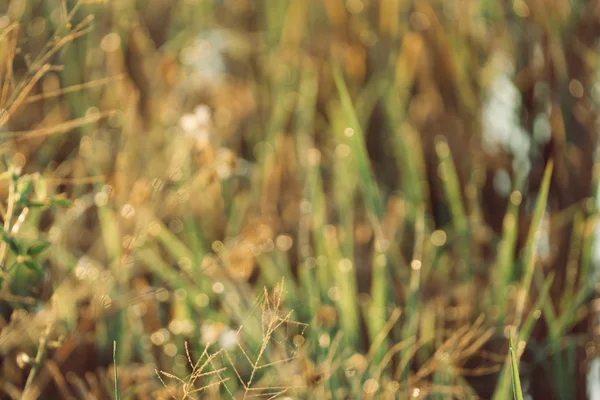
(41, 353)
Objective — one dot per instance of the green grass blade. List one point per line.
(374, 205)
(516, 381)
(502, 387)
(357, 143)
(304, 128)
(455, 200)
(117, 393)
(504, 272)
(529, 257)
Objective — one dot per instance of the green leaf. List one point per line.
(61, 201)
(32, 265)
(38, 248)
(24, 188)
(12, 243)
(36, 204)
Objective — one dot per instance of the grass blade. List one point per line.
(357, 143)
(117, 393)
(374, 205)
(455, 200)
(516, 381)
(529, 257)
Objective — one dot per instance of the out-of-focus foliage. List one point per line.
(307, 198)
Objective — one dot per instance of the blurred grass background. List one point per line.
(298, 199)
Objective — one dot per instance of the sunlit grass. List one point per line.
(240, 199)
